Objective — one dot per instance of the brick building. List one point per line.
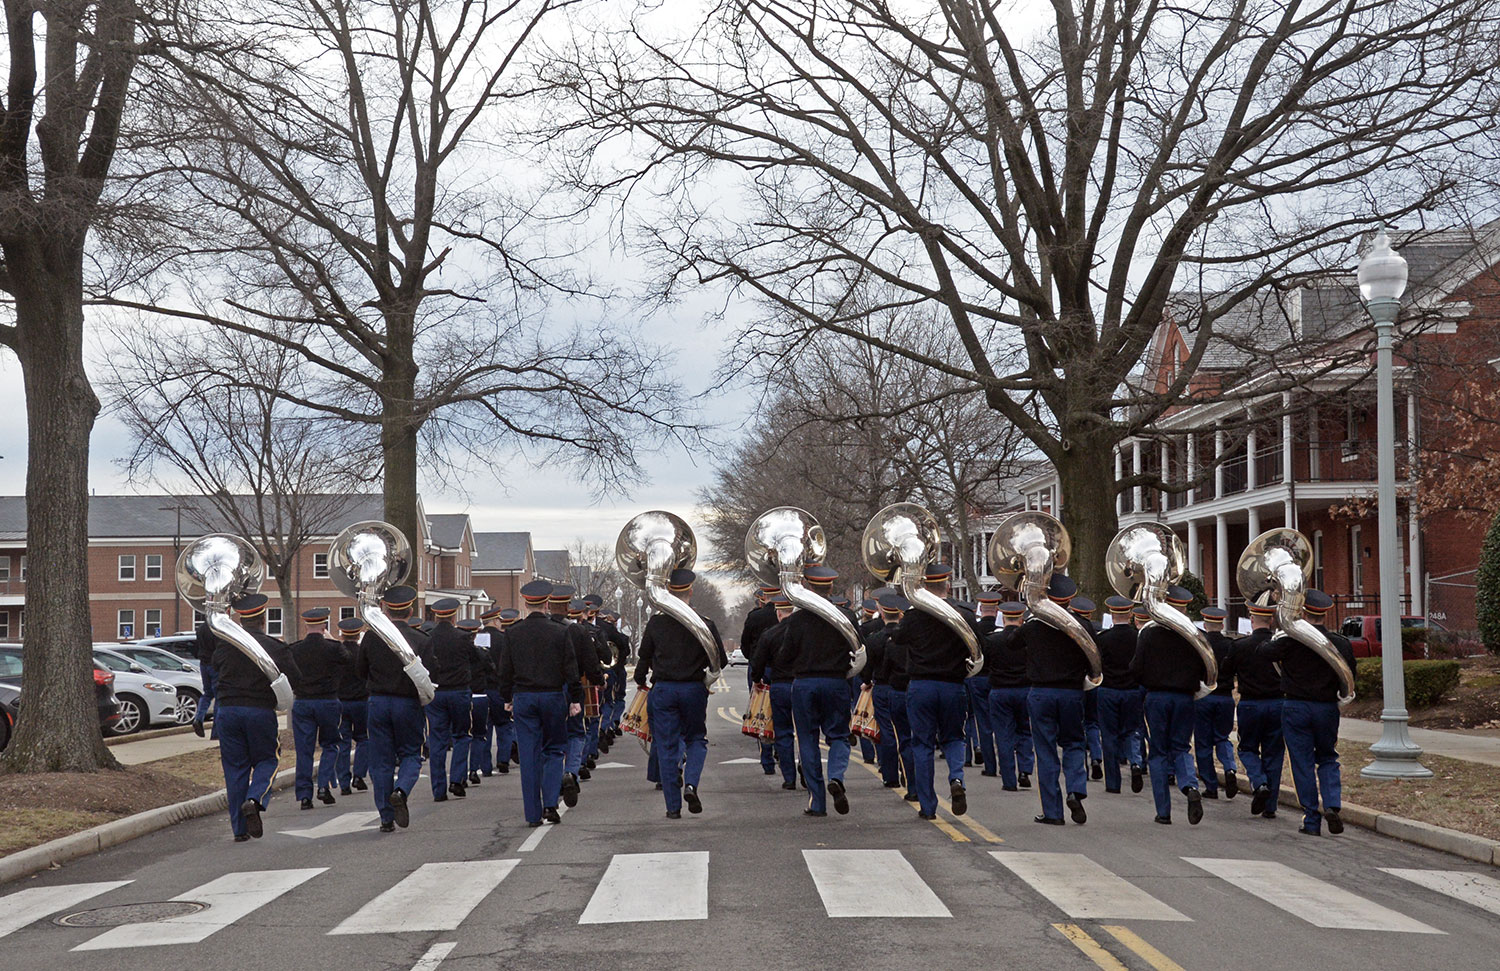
(503, 563)
(1311, 463)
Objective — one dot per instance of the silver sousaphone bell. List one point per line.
(1142, 561)
(364, 561)
(1274, 569)
(648, 549)
(778, 544)
(1024, 551)
(212, 572)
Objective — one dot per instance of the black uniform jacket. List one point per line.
(1165, 661)
(587, 649)
(670, 652)
(812, 648)
(933, 651)
(240, 683)
(1259, 680)
(453, 657)
(381, 668)
(757, 622)
(1304, 675)
(322, 662)
(1053, 660)
(484, 673)
(538, 657)
(1005, 658)
(620, 648)
(352, 686)
(763, 662)
(877, 650)
(1116, 651)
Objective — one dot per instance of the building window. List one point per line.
(127, 567)
(346, 613)
(320, 566)
(273, 621)
(21, 614)
(1317, 544)
(153, 566)
(5, 567)
(23, 567)
(1356, 561)
(153, 621)
(4, 625)
(125, 628)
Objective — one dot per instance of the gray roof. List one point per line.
(552, 564)
(447, 529)
(128, 517)
(500, 552)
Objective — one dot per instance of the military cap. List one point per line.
(399, 596)
(414, 622)
(966, 605)
(351, 625)
(768, 589)
(593, 601)
(780, 600)
(509, 616)
(536, 592)
(820, 574)
(250, 605)
(937, 572)
(1317, 602)
(869, 605)
(561, 594)
(468, 624)
(1012, 608)
(492, 613)
(446, 607)
(1118, 604)
(988, 597)
(681, 580)
(427, 627)
(1061, 588)
(1141, 611)
(576, 607)
(316, 615)
(893, 603)
(1081, 605)
(841, 601)
(1179, 596)
(1214, 615)
(1261, 610)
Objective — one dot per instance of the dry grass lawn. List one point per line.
(1461, 795)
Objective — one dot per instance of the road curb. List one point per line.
(147, 735)
(23, 863)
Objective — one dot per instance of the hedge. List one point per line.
(1487, 596)
(1426, 681)
(1193, 585)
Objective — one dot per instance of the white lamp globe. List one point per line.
(1382, 272)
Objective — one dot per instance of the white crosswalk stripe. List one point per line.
(1319, 903)
(19, 909)
(1083, 889)
(434, 897)
(650, 886)
(871, 883)
(1472, 888)
(229, 898)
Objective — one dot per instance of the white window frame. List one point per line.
(125, 563)
(154, 570)
(4, 567)
(346, 613)
(320, 566)
(21, 621)
(153, 628)
(274, 624)
(4, 625)
(1356, 560)
(23, 567)
(123, 618)
(1317, 545)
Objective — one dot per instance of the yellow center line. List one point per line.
(940, 823)
(1132, 940)
(1091, 948)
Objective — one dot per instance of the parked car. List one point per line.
(12, 682)
(737, 658)
(146, 699)
(1363, 631)
(184, 675)
(184, 645)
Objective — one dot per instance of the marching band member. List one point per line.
(448, 712)
(1262, 748)
(316, 712)
(603, 657)
(892, 757)
(245, 722)
(674, 659)
(763, 668)
(978, 689)
(353, 762)
(481, 676)
(1055, 667)
(614, 679)
(395, 714)
(1120, 700)
(1213, 717)
(1005, 665)
(538, 673)
(586, 653)
(936, 663)
(1083, 608)
(1170, 670)
(818, 656)
(481, 755)
(506, 752)
(757, 621)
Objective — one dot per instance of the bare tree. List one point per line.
(210, 410)
(1050, 185)
(348, 196)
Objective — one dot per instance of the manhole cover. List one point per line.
(131, 914)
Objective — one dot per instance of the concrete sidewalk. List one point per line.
(1470, 748)
(165, 746)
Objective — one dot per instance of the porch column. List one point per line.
(1221, 568)
(1119, 474)
(1253, 521)
(1135, 467)
(1192, 465)
(1218, 465)
(1250, 477)
(1195, 562)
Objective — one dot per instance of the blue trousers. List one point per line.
(502, 729)
(479, 734)
(541, 721)
(354, 749)
(210, 690)
(978, 691)
(250, 754)
(1169, 718)
(1119, 713)
(448, 730)
(1057, 723)
(1010, 717)
(785, 743)
(888, 750)
(578, 737)
(821, 704)
(1262, 748)
(315, 724)
(1311, 730)
(679, 727)
(1092, 735)
(1213, 720)
(608, 714)
(936, 710)
(395, 727)
(901, 720)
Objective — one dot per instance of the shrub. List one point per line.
(1193, 585)
(1426, 681)
(1487, 596)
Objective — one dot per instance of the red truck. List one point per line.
(1363, 631)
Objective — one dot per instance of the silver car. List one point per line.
(146, 699)
(182, 674)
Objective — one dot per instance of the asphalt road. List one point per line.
(752, 882)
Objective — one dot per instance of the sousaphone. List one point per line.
(1024, 552)
(364, 561)
(778, 545)
(1142, 561)
(649, 548)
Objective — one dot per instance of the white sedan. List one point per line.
(146, 699)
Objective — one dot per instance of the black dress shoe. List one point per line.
(1075, 808)
(1112, 792)
(398, 808)
(584, 773)
(658, 787)
(1164, 820)
(1010, 788)
(1258, 801)
(326, 797)
(360, 784)
(1269, 814)
(198, 730)
(503, 768)
(570, 790)
(535, 824)
(490, 772)
(1096, 770)
(243, 837)
(869, 761)
(1025, 780)
(592, 762)
(387, 827)
(1137, 778)
(922, 815)
(890, 785)
(442, 798)
(769, 771)
(1047, 821)
(690, 796)
(1171, 779)
(1195, 806)
(1334, 820)
(250, 809)
(345, 791)
(840, 798)
(473, 778)
(910, 796)
(789, 786)
(551, 815)
(1231, 785)
(814, 812)
(959, 799)
(457, 790)
(674, 814)
(1210, 793)
(989, 773)
(307, 804)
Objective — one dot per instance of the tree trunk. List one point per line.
(398, 446)
(1088, 506)
(291, 619)
(62, 733)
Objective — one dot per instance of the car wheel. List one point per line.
(187, 705)
(132, 716)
